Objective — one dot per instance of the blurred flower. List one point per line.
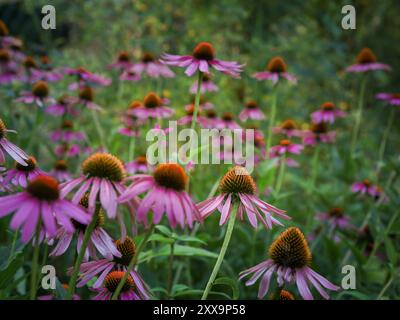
(85, 78)
(139, 165)
(283, 149)
(336, 217)
(16, 153)
(187, 119)
(39, 94)
(21, 175)
(66, 133)
(122, 62)
(129, 75)
(327, 113)
(52, 296)
(289, 128)
(366, 61)
(276, 69)
(67, 150)
(152, 67)
(366, 187)
(63, 106)
(251, 111)
(202, 58)
(203, 104)
(227, 121)
(152, 108)
(238, 186)
(206, 85)
(391, 98)
(166, 193)
(290, 259)
(60, 171)
(99, 239)
(318, 133)
(41, 200)
(102, 176)
(86, 98)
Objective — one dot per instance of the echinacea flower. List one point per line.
(284, 149)
(202, 59)
(110, 285)
(139, 165)
(290, 260)
(67, 150)
(252, 112)
(288, 128)
(86, 98)
(16, 153)
(187, 119)
(39, 94)
(327, 113)
(166, 193)
(85, 78)
(212, 120)
(53, 296)
(46, 72)
(60, 171)
(103, 267)
(102, 177)
(368, 188)
(238, 186)
(336, 217)
(227, 121)
(41, 201)
(152, 67)
(66, 133)
(276, 69)
(99, 239)
(391, 98)
(123, 61)
(318, 133)
(63, 106)
(152, 108)
(129, 75)
(366, 61)
(203, 104)
(22, 175)
(206, 85)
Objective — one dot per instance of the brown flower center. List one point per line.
(227, 116)
(31, 165)
(289, 124)
(124, 56)
(113, 279)
(290, 249)
(87, 94)
(277, 65)
(171, 175)
(29, 63)
(285, 142)
(366, 56)
(251, 104)
(367, 183)
(3, 29)
(61, 165)
(44, 188)
(336, 212)
(190, 110)
(141, 160)
(127, 250)
(2, 129)
(152, 100)
(45, 60)
(211, 114)
(40, 89)
(205, 77)
(319, 128)
(104, 165)
(4, 55)
(135, 104)
(285, 295)
(204, 51)
(237, 180)
(67, 125)
(148, 57)
(99, 214)
(328, 106)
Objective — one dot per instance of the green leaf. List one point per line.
(7, 274)
(160, 238)
(185, 238)
(164, 230)
(390, 250)
(230, 283)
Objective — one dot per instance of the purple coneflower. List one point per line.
(251, 111)
(63, 106)
(39, 94)
(152, 108)
(203, 104)
(202, 59)
(139, 165)
(60, 171)
(21, 175)
(166, 193)
(212, 120)
(66, 133)
(67, 150)
(206, 85)
(152, 67)
(102, 176)
(110, 285)
(327, 113)
(41, 200)
(46, 72)
(85, 78)
(238, 186)
(187, 119)
(86, 98)
(290, 259)
(276, 69)
(283, 149)
(391, 98)
(129, 75)
(122, 62)
(103, 267)
(366, 61)
(227, 121)
(368, 188)
(16, 153)
(288, 128)
(99, 239)
(318, 133)
(336, 218)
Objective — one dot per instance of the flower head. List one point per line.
(166, 193)
(203, 58)
(152, 108)
(237, 186)
(276, 69)
(327, 113)
(16, 153)
(288, 128)
(39, 94)
(336, 217)
(318, 133)
(21, 174)
(367, 61)
(290, 259)
(206, 85)
(391, 98)
(152, 67)
(251, 111)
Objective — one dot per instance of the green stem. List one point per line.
(170, 271)
(281, 175)
(98, 128)
(35, 262)
(132, 263)
(314, 167)
(131, 148)
(220, 259)
(272, 119)
(380, 295)
(385, 138)
(358, 116)
(196, 100)
(79, 259)
(13, 245)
